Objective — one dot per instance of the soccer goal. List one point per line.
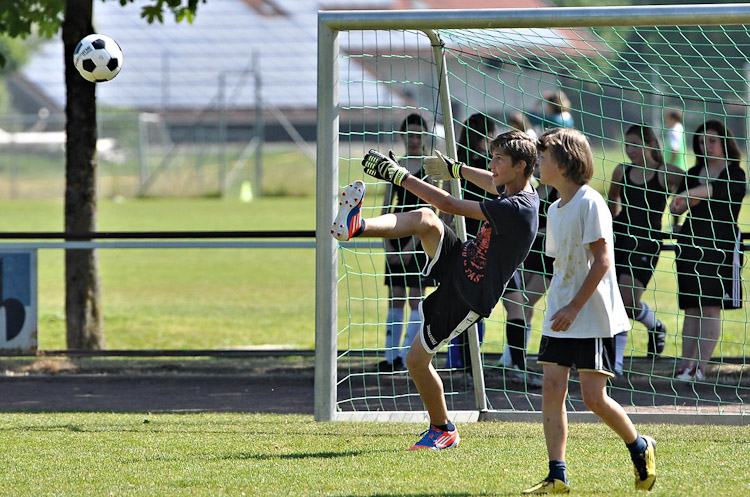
(601, 70)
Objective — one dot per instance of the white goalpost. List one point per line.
(618, 67)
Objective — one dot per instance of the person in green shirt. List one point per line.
(674, 153)
(675, 149)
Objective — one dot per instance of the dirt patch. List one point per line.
(286, 386)
(270, 386)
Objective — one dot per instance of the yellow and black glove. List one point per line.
(384, 167)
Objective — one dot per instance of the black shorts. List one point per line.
(444, 315)
(537, 262)
(584, 354)
(407, 270)
(636, 257)
(709, 277)
(443, 266)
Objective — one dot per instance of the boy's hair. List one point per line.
(557, 100)
(519, 147)
(572, 151)
(674, 115)
(413, 119)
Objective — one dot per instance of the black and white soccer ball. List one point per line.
(98, 58)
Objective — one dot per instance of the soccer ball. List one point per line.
(98, 58)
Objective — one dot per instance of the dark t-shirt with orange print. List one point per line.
(503, 242)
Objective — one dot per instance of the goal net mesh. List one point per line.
(609, 79)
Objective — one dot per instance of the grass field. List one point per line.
(191, 298)
(247, 454)
(186, 298)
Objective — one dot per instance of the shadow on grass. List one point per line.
(441, 494)
(297, 455)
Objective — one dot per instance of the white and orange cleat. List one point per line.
(349, 219)
(436, 439)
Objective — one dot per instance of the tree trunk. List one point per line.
(82, 293)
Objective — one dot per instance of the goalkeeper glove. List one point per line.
(442, 167)
(385, 168)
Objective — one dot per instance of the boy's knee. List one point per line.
(417, 358)
(552, 385)
(594, 402)
(427, 216)
(594, 406)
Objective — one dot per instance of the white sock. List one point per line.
(412, 328)
(394, 327)
(646, 316)
(621, 342)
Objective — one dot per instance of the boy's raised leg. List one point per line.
(423, 223)
(348, 222)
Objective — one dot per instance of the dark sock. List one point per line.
(446, 427)
(361, 228)
(557, 471)
(637, 447)
(515, 331)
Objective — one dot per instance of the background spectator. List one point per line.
(709, 246)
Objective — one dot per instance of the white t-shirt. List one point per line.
(570, 230)
(675, 137)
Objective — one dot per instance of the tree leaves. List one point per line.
(21, 18)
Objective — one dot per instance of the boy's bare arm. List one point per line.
(564, 317)
(443, 167)
(387, 168)
(480, 177)
(442, 200)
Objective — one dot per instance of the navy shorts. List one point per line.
(584, 354)
(444, 314)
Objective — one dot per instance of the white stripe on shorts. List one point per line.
(428, 267)
(737, 272)
(471, 318)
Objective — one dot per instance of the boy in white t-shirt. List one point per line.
(584, 309)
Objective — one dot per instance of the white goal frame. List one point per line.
(330, 23)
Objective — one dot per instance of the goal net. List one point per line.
(534, 69)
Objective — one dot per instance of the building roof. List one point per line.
(182, 66)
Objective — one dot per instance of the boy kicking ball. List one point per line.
(584, 309)
(472, 275)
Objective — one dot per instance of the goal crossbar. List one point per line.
(560, 17)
